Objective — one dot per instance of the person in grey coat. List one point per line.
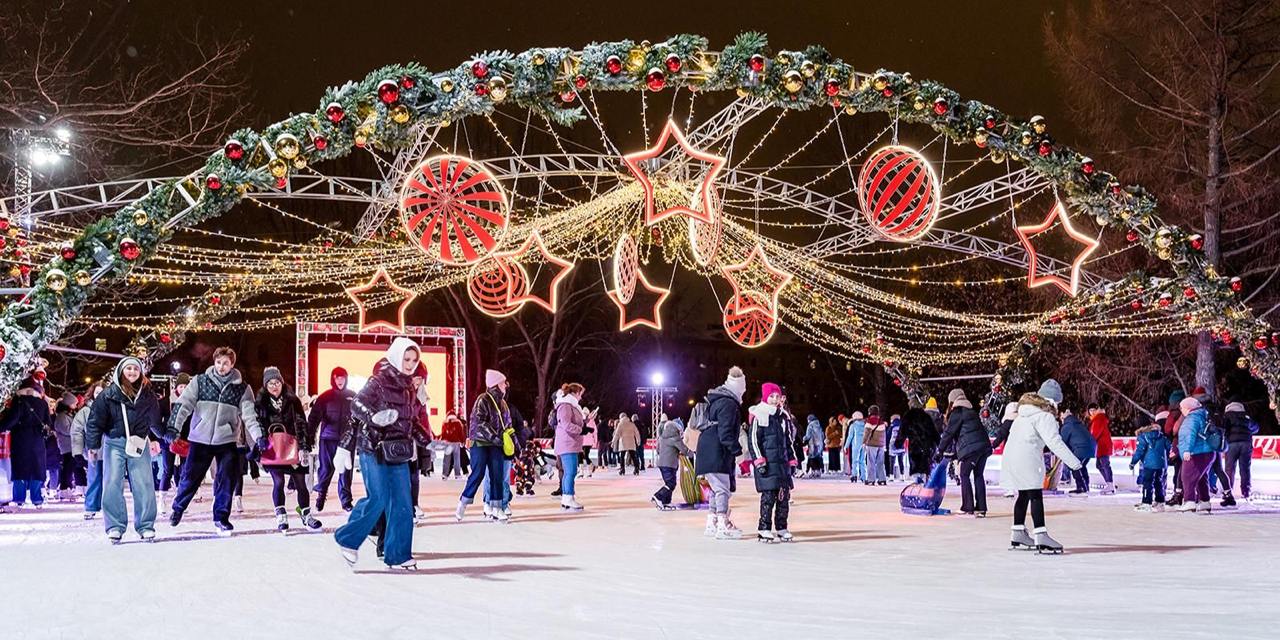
(670, 447)
(816, 439)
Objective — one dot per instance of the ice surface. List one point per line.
(621, 569)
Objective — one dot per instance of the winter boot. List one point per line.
(237, 504)
(785, 536)
(175, 518)
(570, 503)
(766, 536)
(1018, 538)
(282, 520)
(461, 511)
(309, 521)
(1204, 508)
(1045, 544)
(726, 530)
(557, 493)
(1175, 500)
(114, 536)
(1228, 500)
(710, 530)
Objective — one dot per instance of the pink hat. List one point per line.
(1188, 405)
(767, 389)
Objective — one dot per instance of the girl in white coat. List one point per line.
(1022, 467)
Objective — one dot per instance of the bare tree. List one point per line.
(1179, 95)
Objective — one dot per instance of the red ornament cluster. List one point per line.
(479, 68)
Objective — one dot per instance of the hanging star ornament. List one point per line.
(646, 297)
(758, 268)
(706, 213)
(561, 268)
(1088, 244)
(379, 282)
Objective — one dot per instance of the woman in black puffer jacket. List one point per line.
(972, 448)
(388, 414)
(280, 412)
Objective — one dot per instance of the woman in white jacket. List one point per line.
(1022, 467)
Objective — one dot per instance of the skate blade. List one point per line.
(1049, 551)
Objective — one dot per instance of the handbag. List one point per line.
(134, 445)
(397, 451)
(282, 448)
(180, 447)
(508, 433)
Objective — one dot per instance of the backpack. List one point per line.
(698, 420)
(1215, 436)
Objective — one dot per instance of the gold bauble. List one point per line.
(980, 138)
(784, 59)
(793, 82)
(997, 157)
(1039, 127)
(742, 93)
(1026, 138)
(1164, 253)
(1163, 239)
(13, 232)
(446, 85)
(880, 82)
(538, 59)
(278, 168)
(1125, 214)
(1243, 363)
(498, 89)
(850, 109)
(300, 162)
(83, 278)
(918, 105)
(808, 68)
(15, 272)
(635, 59)
(287, 146)
(56, 280)
(400, 114)
(140, 218)
(361, 137)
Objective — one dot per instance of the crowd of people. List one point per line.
(121, 432)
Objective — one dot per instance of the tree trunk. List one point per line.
(1206, 373)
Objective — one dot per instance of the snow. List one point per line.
(621, 569)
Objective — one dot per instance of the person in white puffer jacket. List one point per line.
(1022, 467)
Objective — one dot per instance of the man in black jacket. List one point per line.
(330, 416)
(718, 446)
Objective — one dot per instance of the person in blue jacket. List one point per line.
(1082, 446)
(330, 416)
(1197, 456)
(1153, 453)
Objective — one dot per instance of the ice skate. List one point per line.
(224, 528)
(1204, 508)
(1108, 489)
(461, 512)
(1143, 508)
(570, 503)
(488, 512)
(710, 530)
(1228, 500)
(1046, 544)
(419, 515)
(89, 515)
(162, 503)
(237, 504)
(661, 507)
(766, 536)
(320, 502)
(175, 518)
(114, 536)
(350, 556)
(501, 516)
(309, 521)
(1158, 507)
(1176, 500)
(407, 565)
(785, 536)
(1186, 506)
(282, 520)
(726, 530)
(148, 536)
(1018, 538)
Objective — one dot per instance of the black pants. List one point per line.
(1035, 499)
(663, 494)
(66, 471)
(80, 466)
(602, 455)
(833, 459)
(775, 505)
(278, 479)
(194, 470)
(325, 474)
(415, 480)
(622, 461)
(973, 485)
(1082, 477)
(241, 464)
(1176, 466)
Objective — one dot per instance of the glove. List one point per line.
(795, 463)
(385, 417)
(759, 462)
(342, 461)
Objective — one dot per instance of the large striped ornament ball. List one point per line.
(899, 193)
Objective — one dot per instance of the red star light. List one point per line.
(707, 213)
(1089, 244)
(757, 263)
(653, 317)
(562, 267)
(380, 278)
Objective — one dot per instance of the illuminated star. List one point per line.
(757, 263)
(653, 317)
(1089, 244)
(707, 212)
(358, 294)
(562, 267)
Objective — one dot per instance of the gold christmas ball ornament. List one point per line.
(997, 157)
(742, 93)
(15, 272)
(300, 162)
(1027, 138)
(361, 137)
(907, 79)
(918, 105)
(1164, 253)
(83, 278)
(1243, 363)
(808, 68)
(1164, 239)
(278, 168)
(879, 82)
(792, 81)
(140, 218)
(287, 146)
(56, 280)
(538, 58)
(498, 89)
(850, 109)
(400, 114)
(446, 85)
(635, 59)
(784, 59)
(1039, 125)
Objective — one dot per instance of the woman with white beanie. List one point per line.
(490, 418)
(717, 448)
(1022, 468)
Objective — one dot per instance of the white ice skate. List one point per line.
(501, 516)
(1158, 507)
(89, 515)
(350, 556)
(785, 536)
(1204, 508)
(766, 536)
(1143, 508)
(661, 507)
(488, 512)
(461, 512)
(407, 565)
(726, 530)
(1108, 489)
(148, 536)
(710, 530)
(1018, 538)
(1045, 544)
(1186, 506)
(162, 505)
(237, 504)
(419, 515)
(570, 503)
(114, 536)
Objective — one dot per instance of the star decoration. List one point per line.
(707, 212)
(1025, 234)
(380, 277)
(562, 267)
(757, 265)
(653, 317)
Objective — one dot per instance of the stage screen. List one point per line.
(359, 360)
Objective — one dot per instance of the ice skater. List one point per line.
(772, 458)
(670, 447)
(281, 411)
(1022, 467)
(1153, 453)
(121, 422)
(717, 448)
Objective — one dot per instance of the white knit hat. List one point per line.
(493, 378)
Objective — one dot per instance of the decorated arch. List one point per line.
(927, 182)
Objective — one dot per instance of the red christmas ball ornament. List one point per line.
(1055, 319)
(281, 183)
(673, 63)
(335, 113)
(215, 299)
(1225, 336)
(832, 88)
(866, 348)
(1086, 166)
(656, 80)
(1166, 300)
(388, 91)
(989, 123)
(129, 249)
(22, 241)
(4, 223)
(897, 382)
(479, 68)
(888, 364)
(213, 182)
(234, 150)
(25, 270)
(1236, 284)
(580, 81)
(481, 89)
(986, 413)
(320, 143)
(3, 351)
(613, 65)
(40, 375)
(899, 193)
(407, 82)
(568, 95)
(166, 338)
(1045, 148)
(1135, 305)
(1196, 241)
(940, 106)
(3, 242)
(1275, 339)
(67, 251)
(887, 92)
(1189, 293)
(756, 63)
(1131, 236)
(1260, 344)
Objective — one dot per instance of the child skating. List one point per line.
(773, 459)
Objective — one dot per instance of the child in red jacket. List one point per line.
(1100, 429)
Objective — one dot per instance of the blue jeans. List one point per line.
(35, 487)
(93, 494)
(141, 483)
(484, 460)
(569, 461)
(506, 483)
(386, 489)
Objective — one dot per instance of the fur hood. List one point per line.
(1142, 430)
(1039, 402)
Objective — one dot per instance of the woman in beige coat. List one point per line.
(626, 441)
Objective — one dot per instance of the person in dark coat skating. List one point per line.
(280, 412)
(717, 448)
(920, 437)
(770, 452)
(330, 416)
(968, 438)
(27, 419)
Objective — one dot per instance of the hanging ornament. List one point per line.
(1166, 299)
(408, 82)
(1243, 363)
(1086, 165)
(388, 91)
(287, 146)
(129, 249)
(580, 81)
(1196, 241)
(83, 278)
(481, 89)
(215, 299)
(67, 251)
(808, 68)
(400, 114)
(1164, 238)
(15, 271)
(568, 95)
(1236, 284)
(655, 79)
(56, 280)
(234, 150)
(939, 106)
(989, 123)
(899, 193)
(334, 112)
(1038, 125)
(455, 209)
(626, 264)
(756, 63)
(1045, 148)
(635, 59)
(3, 352)
(613, 65)
(538, 58)
(1260, 343)
(278, 168)
(320, 143)
(166, 338)
(832, 87)
(1135, 305)
(880, 82)
(747, 320)
(792, 81)
(673, 63)
(479, 68)
(4, 223)
(1189, 293)
(980, 139)
(446, 85)
(1026, 138)
(498, 89)
(213, 182)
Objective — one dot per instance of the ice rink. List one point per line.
(621, 569)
